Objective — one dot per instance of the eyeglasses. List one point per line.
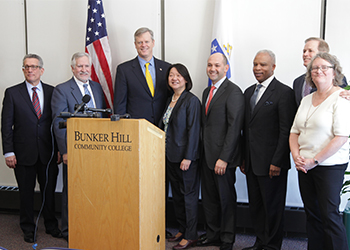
(323, 68)
(33, 67)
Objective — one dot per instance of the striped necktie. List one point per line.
(36, 103)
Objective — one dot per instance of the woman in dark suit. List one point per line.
(181, 123)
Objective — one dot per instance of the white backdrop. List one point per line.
(56, 29)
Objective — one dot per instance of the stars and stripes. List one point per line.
(97, 46)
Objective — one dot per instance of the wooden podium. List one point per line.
(116, 184)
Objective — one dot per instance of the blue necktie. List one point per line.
(90, 104)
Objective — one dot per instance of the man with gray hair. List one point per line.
(64, 98)
(28, 145)
(140, 85)
(269, 114)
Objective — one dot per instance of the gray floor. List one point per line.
(11, 238)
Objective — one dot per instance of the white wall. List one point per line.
(56, 29)
(337, 36)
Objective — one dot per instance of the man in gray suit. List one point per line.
(222, 122)
(64, 98)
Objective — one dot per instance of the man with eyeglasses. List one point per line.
(28, 144)
(313, 45)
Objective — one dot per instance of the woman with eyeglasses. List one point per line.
(320, 149)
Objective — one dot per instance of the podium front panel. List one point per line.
(116, 184)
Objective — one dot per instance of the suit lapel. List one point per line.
(178, 104)
(95, 91)
(159, 71)
(268, 92)
(217, 95)
(140, 76)
(76, 93)
(24, 93)
(46, 99)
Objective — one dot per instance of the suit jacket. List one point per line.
(64, 98)
(183, 133)
(132, 95)
(223, 124)
(22, 132)
(298, 87)
(266, 130)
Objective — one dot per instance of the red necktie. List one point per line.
(210, 97)
(36, 103)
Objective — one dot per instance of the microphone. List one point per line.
(108, 111)
(116, 117)
(85, 99)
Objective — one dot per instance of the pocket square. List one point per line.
(267, 103)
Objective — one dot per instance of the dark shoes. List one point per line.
(207, 242)
(190, 243)
(226, 246)
(29, 237)
(179, 236)
(56, 233)
(168, 235)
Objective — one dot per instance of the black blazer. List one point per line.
(266, 130)
(298, 87)
(132, 95)
(22, 132)
(223, 124)
(183, 133)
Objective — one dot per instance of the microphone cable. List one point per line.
(46, 181)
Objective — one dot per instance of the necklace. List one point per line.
(307, 116)
(174, 100)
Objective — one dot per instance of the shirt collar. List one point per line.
(80, 82)
(143, 61)
(218, 83)
(30, 86)
(267, 82)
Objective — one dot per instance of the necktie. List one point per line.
(90, 104)
(149, 80)
(254, 97)
(307, 89)
(210, 97)
(36, 103)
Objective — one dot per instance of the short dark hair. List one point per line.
(322, 44)
(338, 76)
(183, 72)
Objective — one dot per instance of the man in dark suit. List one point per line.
(28, 145)
(132, 93)
(140, 84)
(270, 110)
(64, 98)
(222, 122)
(313, 45)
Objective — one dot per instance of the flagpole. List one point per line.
(25, 25)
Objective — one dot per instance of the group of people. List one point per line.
(255, 130)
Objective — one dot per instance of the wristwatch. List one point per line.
(315, 161)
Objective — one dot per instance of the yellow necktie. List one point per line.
(149, 80)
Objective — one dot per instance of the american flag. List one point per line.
(97, 46)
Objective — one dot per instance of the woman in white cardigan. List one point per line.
(318, 143)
